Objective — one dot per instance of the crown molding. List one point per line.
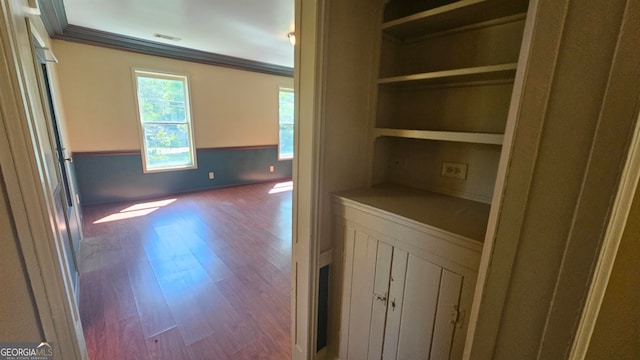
(55, 21)
(53, 16)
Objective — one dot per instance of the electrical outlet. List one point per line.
(211, 175)
(271, 168)
(454, 170)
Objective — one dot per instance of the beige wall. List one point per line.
(229, 107)
(617, 331)
(18, 318)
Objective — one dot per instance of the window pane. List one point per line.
(286, 119)
(167, 145)
(286, 107)
(286, 140)
(161, 100)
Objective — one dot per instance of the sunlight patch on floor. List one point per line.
(281, 187)
(148, 205)
(137, 210)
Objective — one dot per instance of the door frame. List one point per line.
(308, 89)
(29, 195)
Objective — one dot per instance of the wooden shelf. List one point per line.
(473, 74)
(442, 212)
(458, 14)
(467, 137)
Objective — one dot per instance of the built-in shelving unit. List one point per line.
(455, 15)
(479, 73)
(415, 235)
(477, 138)
(443, 92)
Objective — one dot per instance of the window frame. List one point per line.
(280, 156)
(184, 78)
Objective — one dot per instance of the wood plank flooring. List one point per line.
(197, 276)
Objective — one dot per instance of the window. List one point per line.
(165, 121)
(285, 105)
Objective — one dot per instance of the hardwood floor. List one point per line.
(197, 276)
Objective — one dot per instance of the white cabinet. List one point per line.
(406, 286)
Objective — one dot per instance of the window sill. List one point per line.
(173, 168)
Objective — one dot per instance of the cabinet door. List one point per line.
(394, 309)
(419, 306)
(447, 315)
(380, 300)
(367, 268)
(396, 305)
(428, 311)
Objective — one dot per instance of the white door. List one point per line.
(68, 224)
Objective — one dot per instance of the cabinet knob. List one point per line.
(457, 315)
(382, 298)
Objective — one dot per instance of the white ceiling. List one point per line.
(249, 29)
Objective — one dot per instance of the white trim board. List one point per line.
(607, 258)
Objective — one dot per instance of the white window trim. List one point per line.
(281, 89)
(143, 150)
